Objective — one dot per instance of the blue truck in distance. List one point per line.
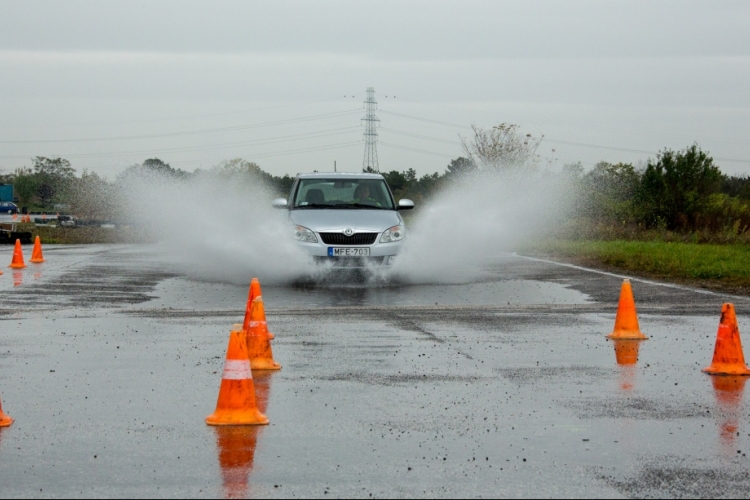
(6, 192)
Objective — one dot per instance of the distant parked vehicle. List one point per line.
(66, 221)
(7, 207)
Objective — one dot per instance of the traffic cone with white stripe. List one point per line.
(17, 262)
(258, 340)
(236, 404)
(5, 420)
(255, 292)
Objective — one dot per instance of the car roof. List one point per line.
(343, 175)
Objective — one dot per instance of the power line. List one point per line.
(554, 141)
(416, 150)
(176, 118)
(419, 136)
(270, 140)
(191, 132)
(428, 120)
(278, 153)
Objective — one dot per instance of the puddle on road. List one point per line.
(180, 293)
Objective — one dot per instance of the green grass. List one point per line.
(725, 267)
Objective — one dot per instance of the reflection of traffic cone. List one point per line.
(728, 356)
(236, 404)
(258, 343)
(17, 262)
(17, 278)
(237, 443)
(626, 351)
(255, 292)
(729, 391)
(236, 446)
(626, 354)
(36, 256)
(626, 323)
(5, 420)
(262, 380)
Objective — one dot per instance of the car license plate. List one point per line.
(348, 252)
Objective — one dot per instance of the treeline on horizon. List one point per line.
(679, 192)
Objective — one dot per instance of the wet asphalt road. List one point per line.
(110, 361)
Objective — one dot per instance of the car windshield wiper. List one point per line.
(315, 205)
(360, 206)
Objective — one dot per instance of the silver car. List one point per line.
(346, 220)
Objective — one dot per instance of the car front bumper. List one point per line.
(381, 254)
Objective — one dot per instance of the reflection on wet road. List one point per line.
(110, 360)
(626, 355)
(729, 391)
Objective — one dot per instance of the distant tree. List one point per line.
(242, 168)
(53, 176)
(502, 148)
(396, 180)
(460, 167)
(736, 186)
(151, 168)
(675, 188)
(95, 198)
(282, 185)
(25, 185)
(608, 191)
(411, 176)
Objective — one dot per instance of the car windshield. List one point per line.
(370, 194)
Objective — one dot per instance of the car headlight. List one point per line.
(304, 235)
(395, 233)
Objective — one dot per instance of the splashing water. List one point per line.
(467, 226)
(222, 228)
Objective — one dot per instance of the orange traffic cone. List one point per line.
(255, 292)
(258, 342)
(17, 262)
(236, 404)
(15, 216)
(5, 420)
(728, 356)
(626, 323)
(36, 256)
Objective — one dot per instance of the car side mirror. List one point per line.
(279, 203)
(405, 204)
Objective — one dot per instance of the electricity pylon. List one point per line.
(371, 132)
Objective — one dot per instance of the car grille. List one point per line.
(342, 239)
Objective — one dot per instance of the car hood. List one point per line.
(337, 220)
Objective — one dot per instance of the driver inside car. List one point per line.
(362, 195)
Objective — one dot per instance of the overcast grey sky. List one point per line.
(109, 84)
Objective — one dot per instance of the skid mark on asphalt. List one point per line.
(411, 326)
(674, 477)
(640, 408)
(580, 374)
(400, 379)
